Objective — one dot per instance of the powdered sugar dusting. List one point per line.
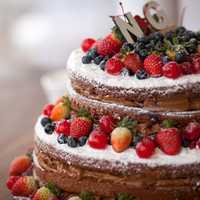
(186, 156)
(93, 73)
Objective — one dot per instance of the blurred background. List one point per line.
(36, 38)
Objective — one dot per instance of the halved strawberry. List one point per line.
(153, 65)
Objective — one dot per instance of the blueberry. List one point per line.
(139, 46)
(180, 30)
(72, 142)
(198, 35)
(92, 53)
(86, 59)
(154, 119)
(169, 35)
(82, 140)
(125, 72)
(141, 74)
(157, 36)
(180, 57)
(136, 138)
(143, 53)
(185, 142)
(62, 139)
(49, 128)
(191, 49)
(45, 121)
(143, 40)
(98, 60)
(127, 47)
(165, 59)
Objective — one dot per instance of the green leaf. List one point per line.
(128, 123)
(124, 196)
(86, 196)
(168, 123)
(54, 189)
(84, 113)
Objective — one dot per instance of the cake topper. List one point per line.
(131, 29)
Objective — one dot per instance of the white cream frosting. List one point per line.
(186, 156)
(92, 72)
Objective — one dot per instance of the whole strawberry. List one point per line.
(63, 127)
(25, 186)
(11, 181)
(47, 109)
(192, 131)
(153, 65)
(196, 64)
(44, 193)
(121, 136)
(108, 46)
(19, 165)
(87, 44)
(81, 125)
(169, 141)
(114, 66)
(132, 61)
(61, 110)
(107, 124)
(172, 70)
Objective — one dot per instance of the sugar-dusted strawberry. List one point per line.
(11, 181)
(107, 123)
(114, 66)
(19, 165)
(145, 148)
(172, 70)
(47, 109)
(25, 186)
(87, 44)
(196, 63)
(110, 45)
(169, 140)
(121, 136)
(98, 139)
(44, 193)
(132, 61)
(81, 125)
(153, 65)
(63, 127)
(192, 131)
(61, 110)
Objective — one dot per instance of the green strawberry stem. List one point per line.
(84, 113)
(86, 196)
(127, 123)
(54, 189)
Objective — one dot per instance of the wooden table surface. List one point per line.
(21, 100)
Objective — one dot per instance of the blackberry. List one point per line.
(98, 60)
(72, 142)
(165, 59)
(86, 59)
(45, 121)
(82, 140)
(139, 46)
(136, 138)
(180, 30)
(143, 53)
(62, 139)
(141, 74)
(126, 72)
(49, 128)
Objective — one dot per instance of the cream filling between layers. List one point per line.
(186, 156)
(92, 72)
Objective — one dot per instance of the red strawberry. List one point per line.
(107, 124)
(61, 110)
(24, 186)
(187, 67)
(192, 131)
(80, 126)
(196, 64)
(98, 139)
(11, 181)
(153, 65)
(47, 109)
(114, 66)
(172, 70)
(145, 148)
(44, 194)
(87, 44)
(63, 127)
(108, 46)
(19, 165)
(132, 61)
(169, 141)
(143, 23)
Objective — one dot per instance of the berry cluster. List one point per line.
(78, 128)
(172, 54)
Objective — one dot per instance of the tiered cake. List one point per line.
(129, 126)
